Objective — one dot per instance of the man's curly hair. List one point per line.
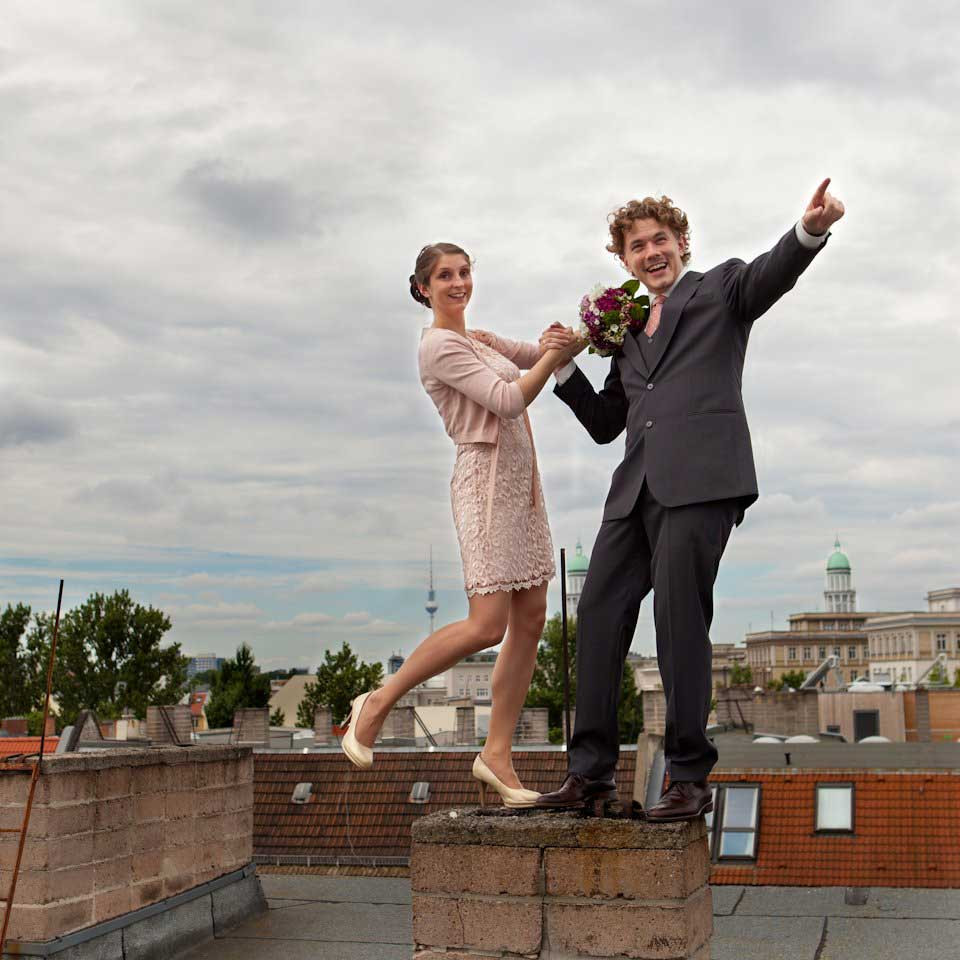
(649, 208)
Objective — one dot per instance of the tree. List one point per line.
(236, 685)
(277, 718)
(340, 678)
(740, 674)
(956, 677)
(546, 688)
(937, 676)
(16, 691)
(202, 679)
(792, 678)
(110, 658)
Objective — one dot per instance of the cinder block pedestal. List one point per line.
(559, 887)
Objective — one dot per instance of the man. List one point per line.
(686, 479)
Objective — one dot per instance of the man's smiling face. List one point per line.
(653, 254)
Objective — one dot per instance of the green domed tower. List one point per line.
(840, 596)
(576, 574)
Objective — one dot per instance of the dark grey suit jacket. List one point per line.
(687, 432)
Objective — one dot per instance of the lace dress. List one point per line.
(501, 521)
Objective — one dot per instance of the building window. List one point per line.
(807, 654)
(823, 653)
(853, 675)
(941, 642)
(791, 653)
(851, 653)
(834, 808)
(736, 809)
(836, 652)
(482, 693)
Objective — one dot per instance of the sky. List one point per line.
(208, 383)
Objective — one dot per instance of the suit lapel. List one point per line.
(631, 350)
(670, 316)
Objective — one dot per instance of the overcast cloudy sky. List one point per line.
(208, 382)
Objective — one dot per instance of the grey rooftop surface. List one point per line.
(368, 918)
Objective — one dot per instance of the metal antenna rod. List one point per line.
(566, 655)
(35, 775)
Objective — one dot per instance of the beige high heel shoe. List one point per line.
(360, 756)
(511, 796)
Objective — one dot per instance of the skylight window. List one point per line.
(420, 792)
(732, 827)
(834, 808)
(301, 793)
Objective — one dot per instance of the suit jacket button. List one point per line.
(649, 423)
(649, 386)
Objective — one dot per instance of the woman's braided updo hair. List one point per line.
(426, 260)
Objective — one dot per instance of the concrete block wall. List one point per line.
(654, 711)
(116, 831)
(559, 885)
(323, 727)
(399, 725)
(791, 714)
(533, 726)
(179, 717)
(251, 726)
(466, 726)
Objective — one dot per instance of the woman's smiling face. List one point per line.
(451, 283)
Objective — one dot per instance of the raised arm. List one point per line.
(524, 355)
(453, 362)
(750, 289)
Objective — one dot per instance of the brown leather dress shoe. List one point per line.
(578, 791)
(682, 800)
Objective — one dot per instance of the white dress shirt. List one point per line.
(809, 240)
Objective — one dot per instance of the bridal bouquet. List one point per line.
(607, 314)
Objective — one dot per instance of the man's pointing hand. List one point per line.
(822, 211)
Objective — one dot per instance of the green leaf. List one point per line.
(631, 286)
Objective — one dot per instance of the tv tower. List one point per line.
(431, 606)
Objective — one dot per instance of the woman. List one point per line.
(474, 379)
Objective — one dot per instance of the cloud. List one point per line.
(257, 207)
(208, 351)
(29, 422)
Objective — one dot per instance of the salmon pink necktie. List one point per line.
(654, 319)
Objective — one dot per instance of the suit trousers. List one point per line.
(676, 552)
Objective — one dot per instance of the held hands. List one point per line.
(562, 339)
(822, 211)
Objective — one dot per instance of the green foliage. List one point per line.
(938, 675)
(956, 677)
(546, 688)
(17, 690)
(35, 722)
(340, 678)
(277, 718)
(235, 685)
(792, 678)
(202, 679)
(740, 674)
(110, 658)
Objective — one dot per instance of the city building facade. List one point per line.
(904, 646)
(203, 662)
(812, 637)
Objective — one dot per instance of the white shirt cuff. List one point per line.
(810, 240)
(564, 373)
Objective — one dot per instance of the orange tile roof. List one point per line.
(906, 826)
(367, 813)
(9, 746)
